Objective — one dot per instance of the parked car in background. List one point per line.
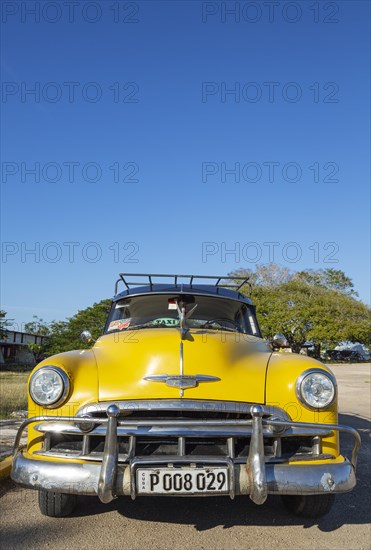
(181, 396)
(344, 356)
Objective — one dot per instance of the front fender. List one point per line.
(283, 371)
(81, 369)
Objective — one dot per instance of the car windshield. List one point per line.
(161, 310)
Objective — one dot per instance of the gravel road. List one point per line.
(205, 523)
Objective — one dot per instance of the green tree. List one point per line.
(65, 335)
(303, 312)
(317, 306)
(37, 326)
(4, 324)
(266, 275)
(328, 278)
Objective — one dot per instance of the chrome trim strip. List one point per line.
(181, 446)
(132, 405)
(231, 447)
(108, 471)
(182, 382)
(34, 419)
(335, 427)
(125, 458)
(181, 361)
(182, 428)
(256, 461)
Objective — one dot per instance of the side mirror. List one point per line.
(279, 341)
(86, 336)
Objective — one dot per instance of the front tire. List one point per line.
(308, 506)
(56, 505)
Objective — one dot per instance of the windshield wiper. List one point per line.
(150, 324)
(221, 328)
(144, 325)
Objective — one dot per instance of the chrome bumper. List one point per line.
(256, 478)
(83, 479)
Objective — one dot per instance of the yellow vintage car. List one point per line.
(182, 396)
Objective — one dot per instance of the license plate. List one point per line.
(180, 481)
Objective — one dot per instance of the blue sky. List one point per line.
(139, 111)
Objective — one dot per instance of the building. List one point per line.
(15, 347)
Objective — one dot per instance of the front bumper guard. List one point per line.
(255, 478)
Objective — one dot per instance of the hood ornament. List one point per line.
(183, 316)
(183, 381)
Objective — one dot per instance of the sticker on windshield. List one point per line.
(172, 303)
(119, 324)
(168, 321)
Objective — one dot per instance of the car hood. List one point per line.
(125, 359)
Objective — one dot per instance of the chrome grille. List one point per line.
(177, 428)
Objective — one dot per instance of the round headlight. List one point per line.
(49, 386)
(316, 389)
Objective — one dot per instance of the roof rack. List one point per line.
(234, 283)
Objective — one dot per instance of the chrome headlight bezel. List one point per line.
(65, 387)
(299, 389)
